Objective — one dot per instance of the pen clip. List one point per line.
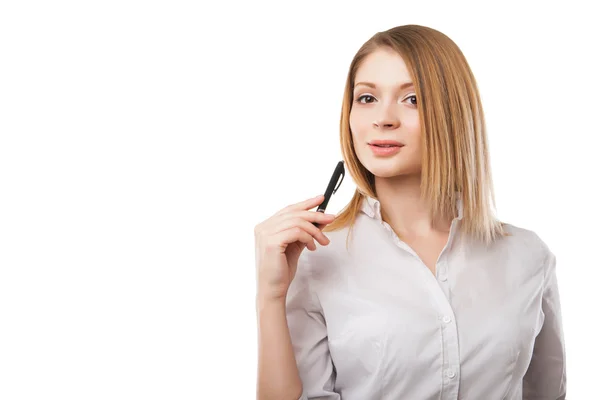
(340, 181)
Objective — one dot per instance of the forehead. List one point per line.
(385, 67)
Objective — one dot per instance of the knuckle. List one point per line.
(269, 246)
(259, 234)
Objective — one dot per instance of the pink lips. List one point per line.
(387, 141)
(385, 151)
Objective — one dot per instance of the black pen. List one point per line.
(332, 187)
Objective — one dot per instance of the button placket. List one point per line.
(442, 280)
(443, 273)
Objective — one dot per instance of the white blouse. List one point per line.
(375, 323)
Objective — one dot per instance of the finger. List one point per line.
(291, 222)
(310, 216)
(315, 232)
(303, 205)
(320, 218)
(295, 234)
(317, 218)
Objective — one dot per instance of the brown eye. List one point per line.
(415, 103)
(363, 96)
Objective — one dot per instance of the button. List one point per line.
(450, 373)
(446, 319)
(443, 278)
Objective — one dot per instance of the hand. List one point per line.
(279, 241)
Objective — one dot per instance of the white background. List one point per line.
(141, 142)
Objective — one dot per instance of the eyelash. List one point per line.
(368, 95)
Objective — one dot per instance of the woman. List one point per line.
(433, 298)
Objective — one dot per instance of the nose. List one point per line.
(386, 124)
(386, 120)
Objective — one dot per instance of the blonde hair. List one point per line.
(455, 156)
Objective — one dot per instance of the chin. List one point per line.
(387, 171)
(389, 168)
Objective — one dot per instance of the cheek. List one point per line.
(352, 121)
(357, 124)
(413, 126)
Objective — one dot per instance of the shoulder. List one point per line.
(526, 237)
(526, 243)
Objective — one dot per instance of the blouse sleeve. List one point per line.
(546, 377)
(309, 336)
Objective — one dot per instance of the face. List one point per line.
(384, 110)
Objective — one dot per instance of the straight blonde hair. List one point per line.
(455, 156)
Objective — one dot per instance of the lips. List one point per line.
(385, 151)
(385, 143)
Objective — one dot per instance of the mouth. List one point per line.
(385, 150)
(385, 143)
(385, 146)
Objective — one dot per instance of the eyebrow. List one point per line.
(372, 85)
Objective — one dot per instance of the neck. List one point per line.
(404, 210)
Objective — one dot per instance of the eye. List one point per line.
(363, 96)
(415, 96)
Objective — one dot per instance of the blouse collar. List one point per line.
(372, 207)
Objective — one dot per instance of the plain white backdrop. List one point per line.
(141, 142)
